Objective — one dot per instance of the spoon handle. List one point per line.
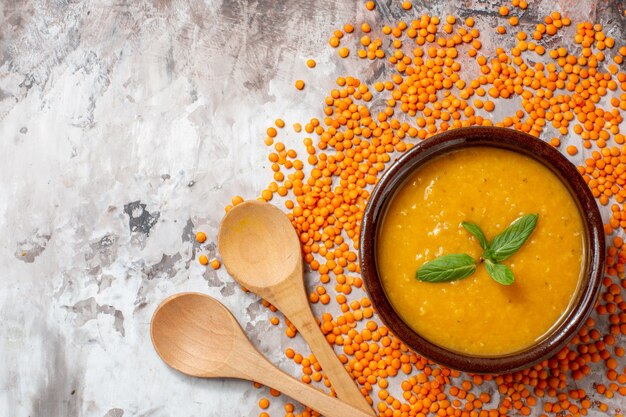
(262, 371)
(301, 316)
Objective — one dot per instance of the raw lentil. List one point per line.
(200, 237)
(426, 93)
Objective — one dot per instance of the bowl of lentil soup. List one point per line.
(489, 176)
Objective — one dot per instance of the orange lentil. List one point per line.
(215, 264)
(573, 93)
(200, 237)
(266, 195)
(311, 63)
(299, 84)
(264, 403)
(274, 393)
(203, 259)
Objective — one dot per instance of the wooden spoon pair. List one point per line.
(197, 335)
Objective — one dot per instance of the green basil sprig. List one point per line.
(499, 272)
(447, 268)
(513, 237)
(458, 266)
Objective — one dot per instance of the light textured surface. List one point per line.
(125, 126)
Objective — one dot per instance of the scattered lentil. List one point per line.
(200, 237)
(326, 192)
(264, 403)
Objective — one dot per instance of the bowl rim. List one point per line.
(486, 136)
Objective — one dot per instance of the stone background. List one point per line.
(125, 126)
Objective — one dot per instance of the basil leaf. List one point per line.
(513, 237)
(475, 230)
(500, 273)
(447, 268)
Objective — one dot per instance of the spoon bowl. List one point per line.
(194, 314)
(259, 245)
(196, 335)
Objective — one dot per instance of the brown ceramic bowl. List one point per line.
(516, 141)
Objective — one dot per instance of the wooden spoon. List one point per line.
(198, 336)
(261, 250)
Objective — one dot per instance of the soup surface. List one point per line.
(490, 187)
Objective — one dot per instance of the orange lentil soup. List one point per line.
(491, 187)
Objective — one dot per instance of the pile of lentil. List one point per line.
(575, 94)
